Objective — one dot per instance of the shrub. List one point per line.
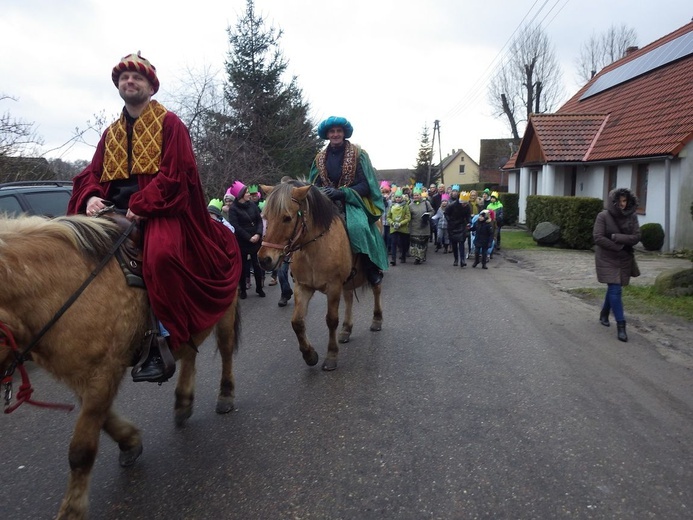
(652, 236)
(574, 215)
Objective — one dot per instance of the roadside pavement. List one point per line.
(567, 269)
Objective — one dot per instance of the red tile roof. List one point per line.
(649, 115)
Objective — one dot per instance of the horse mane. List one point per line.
(92, 236)
(320, 208)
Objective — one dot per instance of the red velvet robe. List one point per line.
(199, 262)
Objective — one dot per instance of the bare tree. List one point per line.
(604, 49)
(529, 81)
(17, 137)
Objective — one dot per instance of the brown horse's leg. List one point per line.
(96, 404)
(126, 435)
(332, 320)
(227, 341)
(348, 322)
(302, 296)
(377, 323)
(185, 388)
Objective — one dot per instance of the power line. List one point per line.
(480, 85)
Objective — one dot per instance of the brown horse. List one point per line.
(304, 225)
(42, 264)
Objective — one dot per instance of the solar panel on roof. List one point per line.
(662, 55)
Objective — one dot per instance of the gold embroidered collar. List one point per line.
(351, 159)
(147, 141)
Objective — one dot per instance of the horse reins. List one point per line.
(293, 244)
(25, 390)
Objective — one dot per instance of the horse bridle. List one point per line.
(20, 356)
(293, 244)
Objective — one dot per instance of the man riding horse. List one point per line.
(144, 166)
(344, 172)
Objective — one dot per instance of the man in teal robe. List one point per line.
(345, 173)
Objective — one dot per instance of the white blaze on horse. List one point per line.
(90, 346)
(304, 225)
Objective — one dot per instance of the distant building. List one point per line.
(459, 168)
(493, 155)
(401, 176)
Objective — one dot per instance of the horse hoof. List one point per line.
(329, 365)
(376, 326)
(311, 358)
(344, 337)
(182, 415)
(129, 457)
(224, 406)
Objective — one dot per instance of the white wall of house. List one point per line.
(592, 181)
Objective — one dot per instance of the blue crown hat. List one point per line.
(335, 121)
(455, 187)
(418, 185)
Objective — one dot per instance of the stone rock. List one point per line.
(547, 234)
(675, 282)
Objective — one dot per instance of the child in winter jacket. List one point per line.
(399, 216)
(483, 237)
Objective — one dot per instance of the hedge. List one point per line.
(574, 215)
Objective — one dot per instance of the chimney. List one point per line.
(631, 50)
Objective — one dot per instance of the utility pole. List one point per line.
(436, 130)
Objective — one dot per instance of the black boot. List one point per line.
(373, 273)
(259, 283)
(153, 369)
(621, 326)
(604, 318)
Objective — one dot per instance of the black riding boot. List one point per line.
(621, 326)
(604, 318)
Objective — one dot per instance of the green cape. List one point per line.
(362, 214)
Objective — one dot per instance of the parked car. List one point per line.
(47, 198)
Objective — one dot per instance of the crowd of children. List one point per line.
(453, 219)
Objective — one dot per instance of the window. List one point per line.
(49, 203)
(641, 186)
(461, 168)
(611, 178)
(10, 205)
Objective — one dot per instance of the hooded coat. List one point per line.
(615, 233)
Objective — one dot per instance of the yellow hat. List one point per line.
(464, 196)
(494, 194)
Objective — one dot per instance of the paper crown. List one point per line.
(235, 189)
(455, 187)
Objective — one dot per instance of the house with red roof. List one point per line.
(630, 126)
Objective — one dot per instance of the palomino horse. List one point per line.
(42, 264)
(304, 225)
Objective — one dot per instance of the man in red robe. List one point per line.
(144, 165)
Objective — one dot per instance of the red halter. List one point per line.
(25, 389)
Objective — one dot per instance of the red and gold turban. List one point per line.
(136, 63)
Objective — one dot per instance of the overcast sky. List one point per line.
(389, 66)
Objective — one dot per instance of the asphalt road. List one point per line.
(488, 394)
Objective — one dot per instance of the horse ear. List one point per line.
(266, 189)
(300, 193)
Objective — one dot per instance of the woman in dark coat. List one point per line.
(616, 231)
(244, 216)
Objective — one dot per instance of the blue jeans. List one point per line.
(283, 277)
(613, 301)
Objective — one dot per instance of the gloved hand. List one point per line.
(333, 193)
(395, 225)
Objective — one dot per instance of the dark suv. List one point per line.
(48, 198)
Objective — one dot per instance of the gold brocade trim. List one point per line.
(147, 141)
(351, 160)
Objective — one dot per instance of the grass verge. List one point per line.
(645, 300)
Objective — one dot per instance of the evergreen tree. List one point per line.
(266, 131)
(423, 160)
